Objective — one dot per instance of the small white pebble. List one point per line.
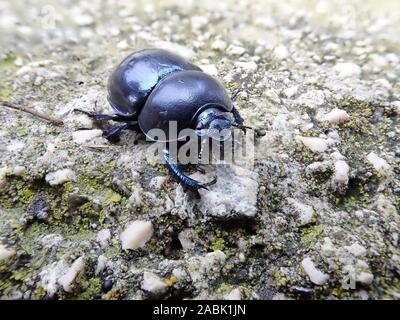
(364, 277)
(123, 44)
(198, 22)
(136, 234)
(103, 237)
(341, 174)
(235, 294)
(218, 45)
(3, 176)
(186, 237)
(153, 283)
(157, 182)
(336, 116)
(210, 69)
(183, 51)
(60, 176)
(290, 92)
(82, 136)
(356, 250)
(5, 253)
(18, 61)
(336, 156)
(281, 52)
(347, 70)
(396, 106)
(379, 164)
(76, 269)
(327, 248)
(316, 276)
(101, 264)
(83, 19)
(305, 214)
(314, 144)
(15, 146)
(19, 170)
(250, 66)
(318, 167)
(236, 50)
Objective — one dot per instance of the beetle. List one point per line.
(152, 87)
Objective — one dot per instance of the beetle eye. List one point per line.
(220, 135)
(201, 132)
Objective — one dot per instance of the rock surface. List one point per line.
(316, 216)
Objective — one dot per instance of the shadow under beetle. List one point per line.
(152, 87)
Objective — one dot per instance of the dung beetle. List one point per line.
(152, 87)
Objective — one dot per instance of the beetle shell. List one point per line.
(135, 77)
(181, 97)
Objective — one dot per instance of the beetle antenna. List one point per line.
(240, 126)
(258, 132)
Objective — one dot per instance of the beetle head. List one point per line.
(215, 123)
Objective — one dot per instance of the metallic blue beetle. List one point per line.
(152, 87)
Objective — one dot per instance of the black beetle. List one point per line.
(152, 87)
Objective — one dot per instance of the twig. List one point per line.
(96, 146)
(54, 121)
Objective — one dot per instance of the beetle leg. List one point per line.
(238, 118)
(185, 180)
(103, 117)
(200, 168)
(113, 133)
(235, 94)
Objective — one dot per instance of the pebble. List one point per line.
(396, 106)
(336, 116)
(157, 182)
(60, 176)
(316, 145)
(210, 69)
(222, 201)
(101, 264)
(236, 50)
(82, 136)
(304, 213)
(281, 52)
(183, 51)
(186, 237)
(3, 176)
(347, 70)
(212, 262)
(316, 276)
(364, 277)
(319, 167)
(235, 294)
(198, 22)
(83, 19)
(5, 253)
(136, 234)
(219, 45)
(250, 66)
(312, 98)
(103, 237)
(15, 146)
(356, 250)
(153, 283)
(380, 165)
(290, 92)
(19, 170)
(340, 175)
(327, 248)
(67, 280)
